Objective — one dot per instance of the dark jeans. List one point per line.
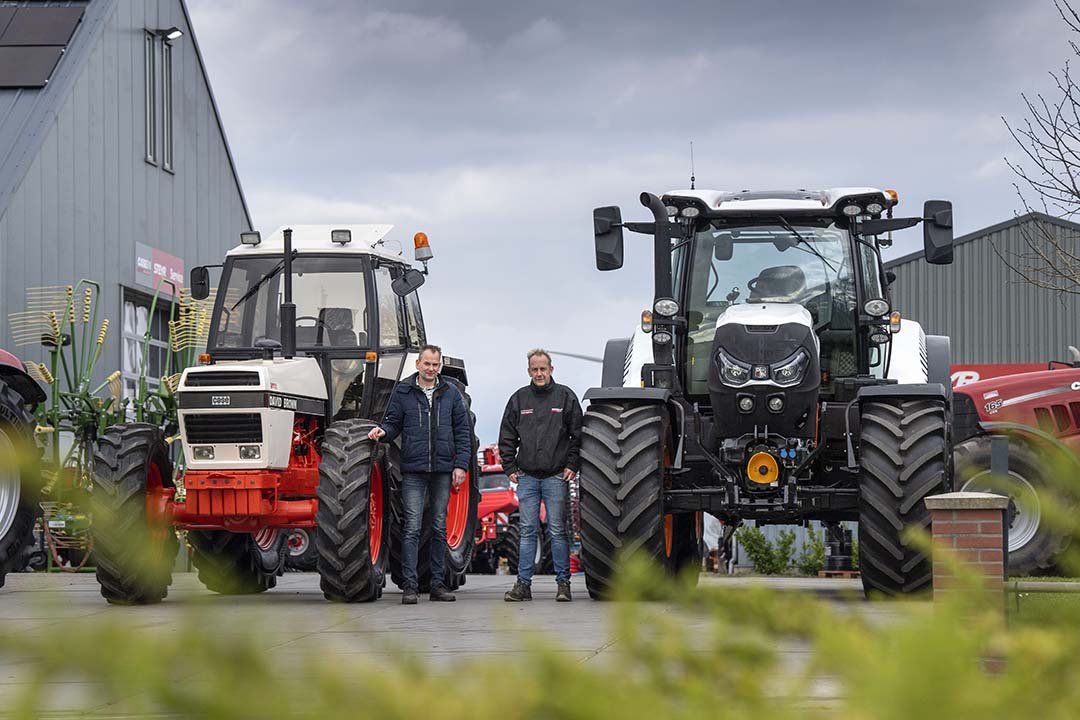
(553, 491)
(415, 488)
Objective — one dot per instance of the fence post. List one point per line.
(971, 526)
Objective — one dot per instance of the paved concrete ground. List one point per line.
(480, 624)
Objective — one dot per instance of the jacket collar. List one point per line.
(542, 389)
(411, 383)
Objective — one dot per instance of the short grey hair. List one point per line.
(539, 351)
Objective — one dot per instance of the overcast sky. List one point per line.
(496, 127)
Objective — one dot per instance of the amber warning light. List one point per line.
(421, 247)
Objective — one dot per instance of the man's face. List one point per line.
(540, 370)
(428, 364)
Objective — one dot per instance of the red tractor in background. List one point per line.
(1038, 413)
(498, 531)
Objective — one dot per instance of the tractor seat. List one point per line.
(783, 283)
(336, 324)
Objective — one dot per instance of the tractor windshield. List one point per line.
(329, 294)
(808, 265)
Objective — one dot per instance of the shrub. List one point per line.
(811, 560)
(767, 558)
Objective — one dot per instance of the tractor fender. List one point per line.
(1031, 435)
(453, 367)
(616, 362)
(13, 373)
(912, 391)
(654, 396)
(939, 361)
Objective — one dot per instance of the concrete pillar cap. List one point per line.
(967, 501)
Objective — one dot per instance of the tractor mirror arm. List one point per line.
(877, 227)
(645, 228)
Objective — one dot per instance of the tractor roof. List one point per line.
(309, 239)
(742, 202)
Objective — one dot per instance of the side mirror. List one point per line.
(408, 282)
(890, 277)
(608, 234)
(938, 232)
(200, 283)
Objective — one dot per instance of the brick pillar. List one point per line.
(971, 526)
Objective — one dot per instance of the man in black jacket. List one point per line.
(540, 444)
(436, 449)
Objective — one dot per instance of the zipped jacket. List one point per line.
(435, 437)
(540, 433)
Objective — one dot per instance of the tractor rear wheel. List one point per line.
(20, 480)
(622, 482)
(510, 548)
(302, 555)
(684, 556)
(352, 531)
(1033, 544)
(904, 457)
(134, 546)
(238, 563)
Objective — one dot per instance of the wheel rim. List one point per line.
(266, 538)
(10, 484)
(299, 541)
(375, 513)
(457, 514)
(669, 534)
(1024, 508)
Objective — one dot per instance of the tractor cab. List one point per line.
(349, 315)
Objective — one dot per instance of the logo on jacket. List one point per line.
(526, 412)
(556, 409)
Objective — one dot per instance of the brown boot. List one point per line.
(563, 593)
(441, 594)
(519, 593)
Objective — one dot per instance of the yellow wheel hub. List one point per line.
(762, 469)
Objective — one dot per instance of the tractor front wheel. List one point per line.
(904, 457)
(20, 475)
(134, 544)
(238, 563)
(352, 528)
(622, 482)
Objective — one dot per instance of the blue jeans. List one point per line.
(415, 488)
(553, 491)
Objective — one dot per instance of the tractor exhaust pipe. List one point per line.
(662, 353)
(288, 309)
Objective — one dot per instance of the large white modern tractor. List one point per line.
(771, 380)
(311, 329)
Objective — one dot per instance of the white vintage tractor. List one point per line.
(771, 380)
(311, 329)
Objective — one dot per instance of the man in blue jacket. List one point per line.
(436, 447)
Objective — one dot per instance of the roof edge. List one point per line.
(1033, 216)
(217, 112)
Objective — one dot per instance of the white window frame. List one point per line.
(167, 106)
(130, 378)
(150, 92)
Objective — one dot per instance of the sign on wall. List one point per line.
(153, 265)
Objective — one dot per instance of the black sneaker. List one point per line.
(441, 594)
(519, 593)
(409, 597)
(563, 593)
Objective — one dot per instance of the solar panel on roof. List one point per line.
(27, 67)
(41, 26)
(5, 17)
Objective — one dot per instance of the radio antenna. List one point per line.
(691, 164)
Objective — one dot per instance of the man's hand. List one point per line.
(513, 477)
(459, 477)
(568, 474)
(376, 433)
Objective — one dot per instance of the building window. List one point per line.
(167, 105)
(150, 58)
(136, 320)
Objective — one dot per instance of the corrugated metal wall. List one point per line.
(990, 313)
(89, 195)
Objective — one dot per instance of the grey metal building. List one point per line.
(991, 313)
(113, 161)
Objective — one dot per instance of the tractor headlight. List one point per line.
(666, 307)
(732, 372)
(878, 336)
(249, 452)
(661, 338)
(790, 372)
(852, 210)
(874, 208)
(203, 452)
(690, 212)
(877, 307)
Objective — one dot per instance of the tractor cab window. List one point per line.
(391, 312)
(769, 264)
(329, 293)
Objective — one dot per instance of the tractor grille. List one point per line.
(223, 429)
(762, 329)
(221, 378)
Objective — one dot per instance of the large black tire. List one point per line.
(903, 458)
(301, 554)
(458, 554)
(20, 480)
(351, 482)
(238, 563)
(1033, 545)
(134, 558)
(622, 482)
(510, 548)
